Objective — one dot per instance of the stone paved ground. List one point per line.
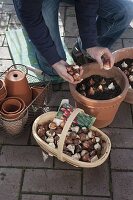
(24, 175)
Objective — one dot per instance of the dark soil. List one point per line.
(99, 88)
(127, 69)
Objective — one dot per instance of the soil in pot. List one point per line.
(126, 65)
(99, 88)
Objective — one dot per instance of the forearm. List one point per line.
(86, 12)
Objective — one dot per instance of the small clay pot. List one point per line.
(12, 108)
(3, 96)
(38, 94)
(17, 85)
(11, 105)
(2, 87)
(3, 92)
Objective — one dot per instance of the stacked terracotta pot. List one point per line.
(15, 96)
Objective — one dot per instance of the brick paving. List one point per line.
(23, 173)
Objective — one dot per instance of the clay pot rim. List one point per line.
(8, 100)
(2, 97)
(16, 119)
(121, 51)
(2, 88)
(19, 113)
(119, 97)
(125, 53)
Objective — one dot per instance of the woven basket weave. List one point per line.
(58, 152)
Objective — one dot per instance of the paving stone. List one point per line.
(34, 197)
(21, 156)
(4, 53)
(70, 41)
(10, 180)
(2, 37)
(58, 96)
(120, 138)
(14, 19)
(5, 64)
(21, 139)
(61, 15)
(127, 34)
(57, 197)
(5, 43)
(117, 45)
(63, 165)
(96, 181)
(4, 19)
(71, 28)
(119, 120)
(122, 159)
(128, 42)
(8, 8)
(122, 185)
(52, 181)
(70, 11)
(6, 1)
(14, 26)
(61, 29)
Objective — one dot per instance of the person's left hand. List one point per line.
(61, 69)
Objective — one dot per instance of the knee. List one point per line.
(126, 13)
(124, 16)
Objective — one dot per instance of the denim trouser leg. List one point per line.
(50, 13)
(114, 17)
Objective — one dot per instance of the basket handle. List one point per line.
(64, 132)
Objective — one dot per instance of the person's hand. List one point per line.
(61, 69)
(103, 56)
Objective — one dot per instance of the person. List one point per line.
(100, 24)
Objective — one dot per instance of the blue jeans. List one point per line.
(113, 18)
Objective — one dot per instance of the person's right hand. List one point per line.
(61, 69)
(102, 55)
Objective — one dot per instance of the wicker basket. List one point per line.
(44, 118)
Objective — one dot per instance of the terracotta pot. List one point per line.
(38, 94)
(12, 108)
(11, 105)
(17, 85)
(120, 55)
(103, 110)
(3, 92)
(2, 87)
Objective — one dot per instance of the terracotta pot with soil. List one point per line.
(17, 85)
(124, 60)
(104, 109)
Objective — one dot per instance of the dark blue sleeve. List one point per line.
(30, 12)
(86, 12)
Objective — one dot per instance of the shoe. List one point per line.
(79, 57)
